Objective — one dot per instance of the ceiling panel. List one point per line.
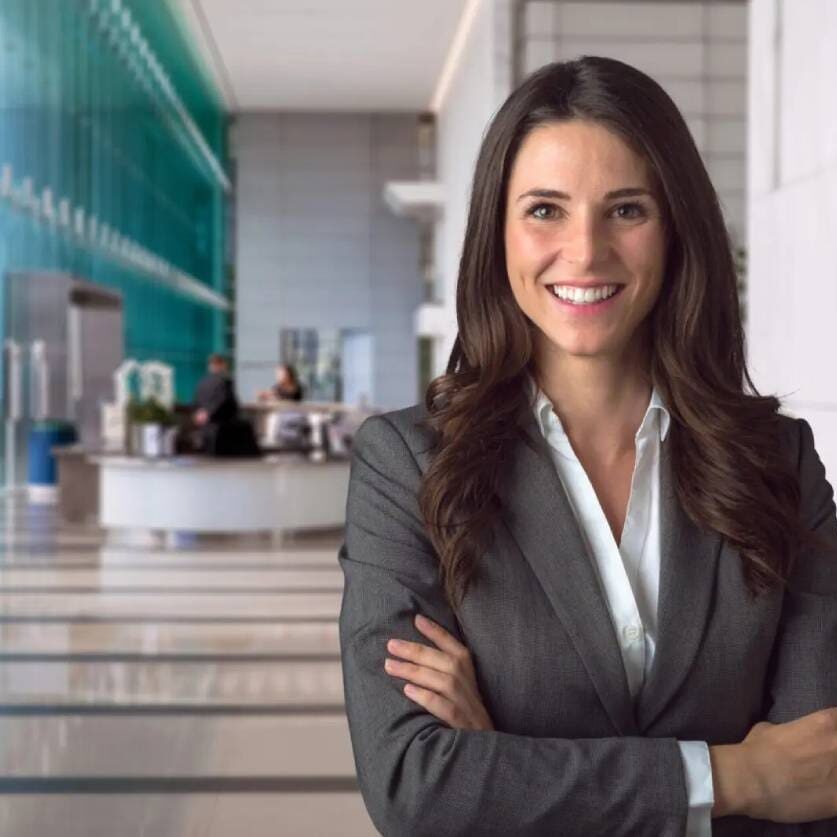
(325, 55)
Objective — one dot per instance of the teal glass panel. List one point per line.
(113, 167)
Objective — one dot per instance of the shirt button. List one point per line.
(631, 633)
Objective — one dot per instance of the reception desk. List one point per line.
(279, 493)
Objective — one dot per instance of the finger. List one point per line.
(422, 676)
(445, 640)
(435, 704)
(421, 654)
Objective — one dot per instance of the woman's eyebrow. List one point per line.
(628, 192)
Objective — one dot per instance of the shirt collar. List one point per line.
(548, 421)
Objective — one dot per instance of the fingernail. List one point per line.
(421, 620)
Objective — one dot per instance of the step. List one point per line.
(189, 683)
(205, 638)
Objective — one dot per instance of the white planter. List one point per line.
(152, 439)
(147, 440)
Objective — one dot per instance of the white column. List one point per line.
(792, 210)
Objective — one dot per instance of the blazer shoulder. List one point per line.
(799, 442)
(398, 428)
(794, 434)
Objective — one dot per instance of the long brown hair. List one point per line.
(728, 473)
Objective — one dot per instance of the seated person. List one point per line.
(287, 386)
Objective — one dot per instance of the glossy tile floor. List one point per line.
(190, 692)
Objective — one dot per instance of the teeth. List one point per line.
(582, 296)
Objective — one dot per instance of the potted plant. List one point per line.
(152, 428)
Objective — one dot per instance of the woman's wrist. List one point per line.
(733, 782)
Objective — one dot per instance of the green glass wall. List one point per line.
(112, 167)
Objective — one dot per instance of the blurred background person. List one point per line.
(215, 400)
(223, 431)
(287, 386)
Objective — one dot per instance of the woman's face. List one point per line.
(282, 376)
(581, 214)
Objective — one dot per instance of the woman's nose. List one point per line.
(582, 243)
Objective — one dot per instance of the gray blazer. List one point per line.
(570, 754)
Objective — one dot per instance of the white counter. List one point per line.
(203, 494)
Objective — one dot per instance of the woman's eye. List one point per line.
(631, 211)
(543, 211)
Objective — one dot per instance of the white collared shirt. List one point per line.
(630, 571)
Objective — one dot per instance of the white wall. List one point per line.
(480, 85)
(792, 192)
(316, 247)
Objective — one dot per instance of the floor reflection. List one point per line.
(175, 692)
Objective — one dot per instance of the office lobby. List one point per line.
(230, 234)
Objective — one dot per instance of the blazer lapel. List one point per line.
(539, 517)
(688, 563)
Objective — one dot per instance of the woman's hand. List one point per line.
(442, 681)
(781, 772)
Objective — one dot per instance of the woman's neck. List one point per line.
(600, 401)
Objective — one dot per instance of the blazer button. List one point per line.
(631, 633)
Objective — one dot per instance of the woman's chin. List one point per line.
(578, 348)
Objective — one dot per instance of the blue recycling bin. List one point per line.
(43, 437)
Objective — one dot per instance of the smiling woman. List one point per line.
(603, 566)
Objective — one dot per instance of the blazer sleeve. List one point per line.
(417, 775)
(804, 666)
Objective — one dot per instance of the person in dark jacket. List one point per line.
(223, 431)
